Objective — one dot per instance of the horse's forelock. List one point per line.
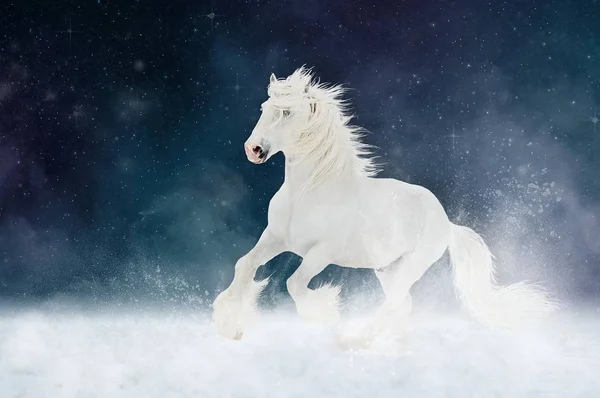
(297, 85)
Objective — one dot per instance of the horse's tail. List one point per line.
(509, 306)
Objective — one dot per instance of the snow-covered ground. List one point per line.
(157, 354)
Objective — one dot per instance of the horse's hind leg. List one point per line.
(396, 280)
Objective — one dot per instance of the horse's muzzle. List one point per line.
(257, 154)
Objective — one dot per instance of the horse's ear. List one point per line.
(273, 78)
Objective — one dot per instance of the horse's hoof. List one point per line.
(230, 331)
(229, 327)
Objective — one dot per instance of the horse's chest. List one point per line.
(307, 227)
(303, 224)
(307, 220)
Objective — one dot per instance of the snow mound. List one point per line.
(158, 354)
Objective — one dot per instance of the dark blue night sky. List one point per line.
(122, 173)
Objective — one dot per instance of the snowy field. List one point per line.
(154, 354)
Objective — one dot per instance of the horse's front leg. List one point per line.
(320, 304)
(233, 307)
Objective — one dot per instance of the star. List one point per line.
(237, 87)
(76, 114)
(211, 15)
(594, 120)
(453, 137)
(70, 32)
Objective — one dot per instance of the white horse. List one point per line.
(330, 210)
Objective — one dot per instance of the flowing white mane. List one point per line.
(328, 139)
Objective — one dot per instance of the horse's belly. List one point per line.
(373, 250)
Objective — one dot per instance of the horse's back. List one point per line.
(393, 217)
(423, 213)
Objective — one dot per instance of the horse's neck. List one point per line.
(299, 172)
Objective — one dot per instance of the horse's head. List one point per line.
(285, 115)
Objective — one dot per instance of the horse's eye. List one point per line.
(286, 113)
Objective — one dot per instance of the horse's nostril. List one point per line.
(257, 149)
